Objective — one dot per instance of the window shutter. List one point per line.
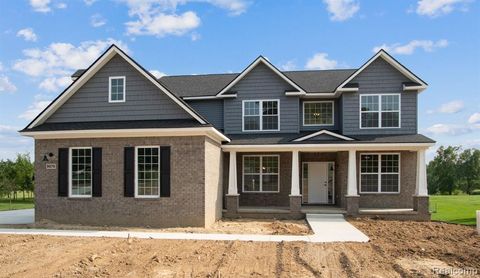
(165, 171)
(97, 172)
(63, 172)
(129, 172)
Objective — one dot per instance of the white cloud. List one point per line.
(89, 2)
(435, 8)
(53, 84)
(6, 86)
(97, 20)
(289, 65)
(341, 10)
(474, 118)
(28, 34)
(409, 48)
(163, 24)
(320, 61)
(157, 73)
(451, 107)
(449, 129)
(1, 66)
(34, 109)
(41, 6)
(235, 7)
(61, 6)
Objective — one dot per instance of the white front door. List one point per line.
(317, 182)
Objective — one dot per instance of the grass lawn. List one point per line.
(17, 204)
(459, 209)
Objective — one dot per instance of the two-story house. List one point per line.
(120, 147)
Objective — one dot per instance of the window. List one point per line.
(318, 113)
(147, 172)
(380, 173)
(80, 172)
(260, 115)
(116, 91)
(380, 111)
(260, 173)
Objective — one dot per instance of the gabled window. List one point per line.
(317, 113)
(80, 174)
(261, 173)
(116, 89)
(380, 111)
(147, 172)
(261, 115)
(380, 173)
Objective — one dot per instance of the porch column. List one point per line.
(352, 199)
(232, 194)
(295, 197)
(420, 199)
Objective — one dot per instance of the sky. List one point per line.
(42, 42)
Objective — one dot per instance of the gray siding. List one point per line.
(262, 83)
(380, 78)
(336, 114)
(144, 101)
(212, 110)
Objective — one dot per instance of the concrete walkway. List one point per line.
(326, 228)
(20, 216)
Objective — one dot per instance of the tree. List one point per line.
(443, 170)
(24, 173)
(7, 178)
(469, 170)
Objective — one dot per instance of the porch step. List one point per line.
(322, 210)
(376, 211)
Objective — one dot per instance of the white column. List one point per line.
(295, 191)
(232, 174)
(421, 185)
(352, 174)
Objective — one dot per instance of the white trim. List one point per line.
(260, 59)
(379, 111)
(323, 131)
(91, 71)
(293, 93)
(333, 187)
(110, 89)
(319, 101)
(136, 174)
(412, 88)
(260, 111)
(116, 133)
(261, 173)
(329, 147)
(210, 97)
(379, 173)
(70, 195)
(393, 63)
(347, 90)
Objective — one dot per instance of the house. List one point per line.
(120, 147)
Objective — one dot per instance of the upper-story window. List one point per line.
(317, 113)
(380, 111)
(259, 115)
(116, 89)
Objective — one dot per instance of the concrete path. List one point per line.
(325, 228)
(20, 216)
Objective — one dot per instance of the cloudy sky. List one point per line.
(43, 41)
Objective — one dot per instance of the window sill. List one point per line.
(86, 198)
(379, 193)
(260, 192)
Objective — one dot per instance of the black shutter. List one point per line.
(97, 172)
(165, 171)
(129, 172)
(63, 172)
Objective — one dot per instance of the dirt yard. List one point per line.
(397, 249)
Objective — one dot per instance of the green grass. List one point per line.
(458, 209)
(16, 204)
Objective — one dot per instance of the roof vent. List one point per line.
(77, 74)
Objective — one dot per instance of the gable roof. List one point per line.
(91, 70)
(323, 132)
(257, 61)
(393, 62)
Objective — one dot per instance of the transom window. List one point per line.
(318, 113)
(260, 115)
(380, 173)
(80, 172)
(380, 111)
(147, 172)
(260, 173)
(116, 89)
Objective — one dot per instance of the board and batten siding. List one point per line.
(261, 83)
(144, 101)
(336, 116)
(212, 110)
(379, 78)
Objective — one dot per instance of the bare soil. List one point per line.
(397, 249)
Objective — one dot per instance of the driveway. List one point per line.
(21, 216)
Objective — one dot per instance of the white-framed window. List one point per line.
(318, 113)
(380, 111)
(261, 115)
(147, 172)
(116, 89)
(261, 173)
(80, 172)
(380, 173)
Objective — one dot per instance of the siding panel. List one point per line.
(212, 110)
